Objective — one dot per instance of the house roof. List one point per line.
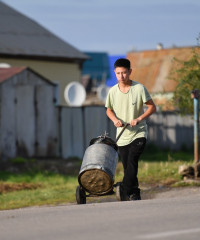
(6, 73)
(23, 37)
(152, 67)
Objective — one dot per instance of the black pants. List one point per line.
(130, 156)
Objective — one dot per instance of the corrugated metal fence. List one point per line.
(169, 130)
(80, 125)
(65, 132)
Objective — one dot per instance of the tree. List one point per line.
(187, 75)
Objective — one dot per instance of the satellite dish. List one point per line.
(102, 92)
(74, 94)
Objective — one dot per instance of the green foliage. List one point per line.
(187, 74)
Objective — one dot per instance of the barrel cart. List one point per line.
(97, 173)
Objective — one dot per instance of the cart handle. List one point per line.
(125, 126)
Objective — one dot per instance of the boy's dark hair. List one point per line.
(122, 62)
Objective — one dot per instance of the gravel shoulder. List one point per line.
(152, 193)
(168, 192)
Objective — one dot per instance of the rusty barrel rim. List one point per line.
(99, 188)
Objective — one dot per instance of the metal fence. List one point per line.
(64, 132)
(80, 125)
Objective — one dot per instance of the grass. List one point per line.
(160, 167)
(49, 188)
(35, 188)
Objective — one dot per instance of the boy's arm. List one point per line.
(113, 118)
(151, 108)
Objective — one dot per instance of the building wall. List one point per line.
(59, 72)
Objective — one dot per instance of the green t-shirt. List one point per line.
(128, 106)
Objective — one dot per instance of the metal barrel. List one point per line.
(98, 167)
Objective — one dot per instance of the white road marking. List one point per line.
(170, 233)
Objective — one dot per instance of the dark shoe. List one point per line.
(134, 197)
(123, 193)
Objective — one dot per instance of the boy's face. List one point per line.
(122, 74)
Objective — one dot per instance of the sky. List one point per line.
(117, 26)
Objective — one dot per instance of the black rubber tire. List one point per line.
(80, 196)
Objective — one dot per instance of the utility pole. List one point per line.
(195, 97)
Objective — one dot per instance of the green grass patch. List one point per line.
(24, 189)
(159, 167)
(50, 188)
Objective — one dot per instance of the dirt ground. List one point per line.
(153, 193)
(172, 192)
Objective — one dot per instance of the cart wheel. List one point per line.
(80, 196)
(117, 192)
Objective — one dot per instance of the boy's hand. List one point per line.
(134, 122)
(118, 123)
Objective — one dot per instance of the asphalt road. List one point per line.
(169, 218)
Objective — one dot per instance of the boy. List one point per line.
(124, 104)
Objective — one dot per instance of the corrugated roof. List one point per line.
(6, 73)
(21, 36)
(152, 68)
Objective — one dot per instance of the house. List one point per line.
(153, 67)
(23, 42)
(28, 116)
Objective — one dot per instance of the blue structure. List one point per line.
(111, 81)
(100, 68)
(97, 67)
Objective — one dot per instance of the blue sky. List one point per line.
(116, 26)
